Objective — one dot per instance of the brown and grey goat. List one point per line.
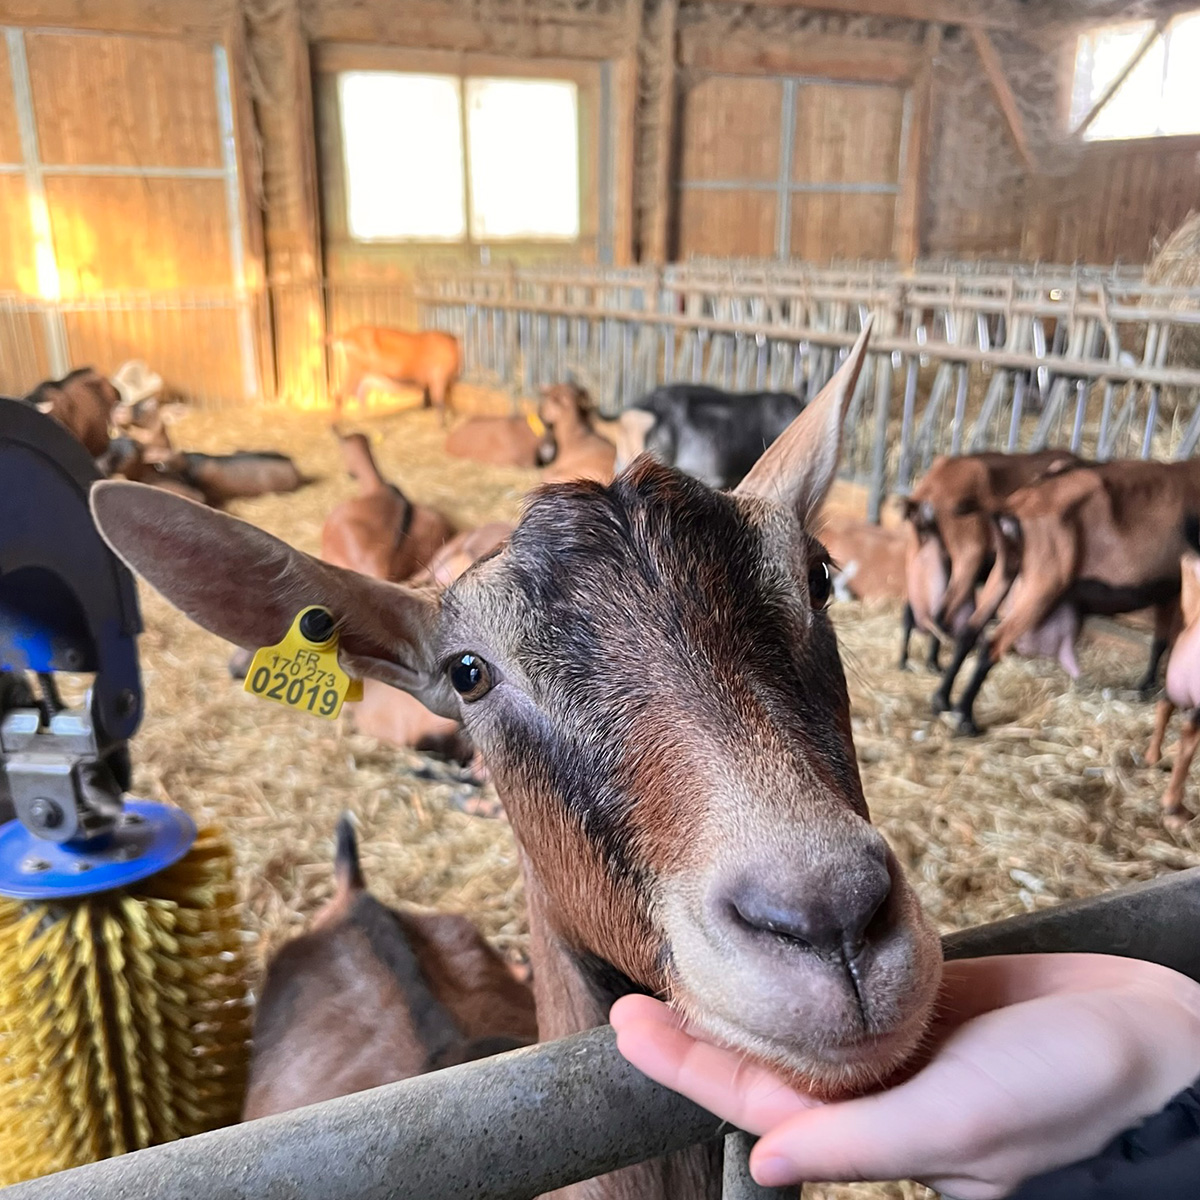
(650, 672)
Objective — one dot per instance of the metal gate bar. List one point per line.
(514, 1126)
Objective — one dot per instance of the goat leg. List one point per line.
(907, 624)
(933, 658)
(966, 703)
(1146, 685)
(1162, 718)
(1175, 815)
(963, 646)
(1167, 624)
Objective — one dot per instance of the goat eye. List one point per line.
(820, 584)
(470, 677)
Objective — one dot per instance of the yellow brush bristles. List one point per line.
(124, 1019)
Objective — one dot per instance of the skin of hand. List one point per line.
(1034, 1061)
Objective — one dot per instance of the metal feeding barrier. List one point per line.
(520, 1124)
(962, 360)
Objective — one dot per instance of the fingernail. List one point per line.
(771, 1172)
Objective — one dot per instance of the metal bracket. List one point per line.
(61, 787)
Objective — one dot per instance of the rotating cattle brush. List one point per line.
(123, 1010)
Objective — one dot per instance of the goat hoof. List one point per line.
(1153, 758)
(966, 726)
(939, 703)
(1146, 691)
(904, 665)
(1176, 819)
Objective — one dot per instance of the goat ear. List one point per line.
(246, 586)
(798, 468)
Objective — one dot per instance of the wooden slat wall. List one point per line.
(160, 234)
(847, 134)
(1122, 199)
(735, 224)
(195, 351)
(842, 226)
(729, 130)
(17, 271)
(131, 101)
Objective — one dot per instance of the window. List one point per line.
(408, 177)
(1159, 96)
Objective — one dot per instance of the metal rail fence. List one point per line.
(966, 357)
(961, 362)
(520, 1124)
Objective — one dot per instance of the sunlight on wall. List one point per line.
(523, 138)
(402, 139)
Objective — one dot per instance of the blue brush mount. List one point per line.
(67, 603)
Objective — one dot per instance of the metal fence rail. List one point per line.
(519, 1124)
(961, 362)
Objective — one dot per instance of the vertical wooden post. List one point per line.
(283, 105)
(657, 246)
(907, 242)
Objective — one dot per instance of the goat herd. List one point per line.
(627, 635)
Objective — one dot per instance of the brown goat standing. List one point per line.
(949, 551)
(1102, 540)
(371, 994)
(655, 684)
(429, 359)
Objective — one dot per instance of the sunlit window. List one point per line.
(404, 151)
(523, 136)
(402, 136)
(1159, 96)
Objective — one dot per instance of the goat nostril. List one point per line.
(842, 920)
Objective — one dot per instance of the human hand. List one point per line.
(1036, 1061)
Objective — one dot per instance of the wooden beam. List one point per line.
(658, 236)
(1004, 95)
(997, 14)
(124, 16)
(1152, 35)
(431, 24)
(911, 206)
(825, 55)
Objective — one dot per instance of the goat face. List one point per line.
(656, 686)
(650, 674)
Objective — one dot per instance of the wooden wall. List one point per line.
(1121, 200)
(692, 101)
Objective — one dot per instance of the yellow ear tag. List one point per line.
(302, 671)
(535, 422)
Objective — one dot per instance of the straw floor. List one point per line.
(1053, 803)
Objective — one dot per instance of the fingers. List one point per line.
(728, 1084)
(876, 1137)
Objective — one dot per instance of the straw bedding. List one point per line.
(1053, 803)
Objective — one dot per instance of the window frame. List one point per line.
(1145, 139)
(333, 59)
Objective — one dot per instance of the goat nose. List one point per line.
(839, 920)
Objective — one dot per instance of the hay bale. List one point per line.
(1176, 264)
